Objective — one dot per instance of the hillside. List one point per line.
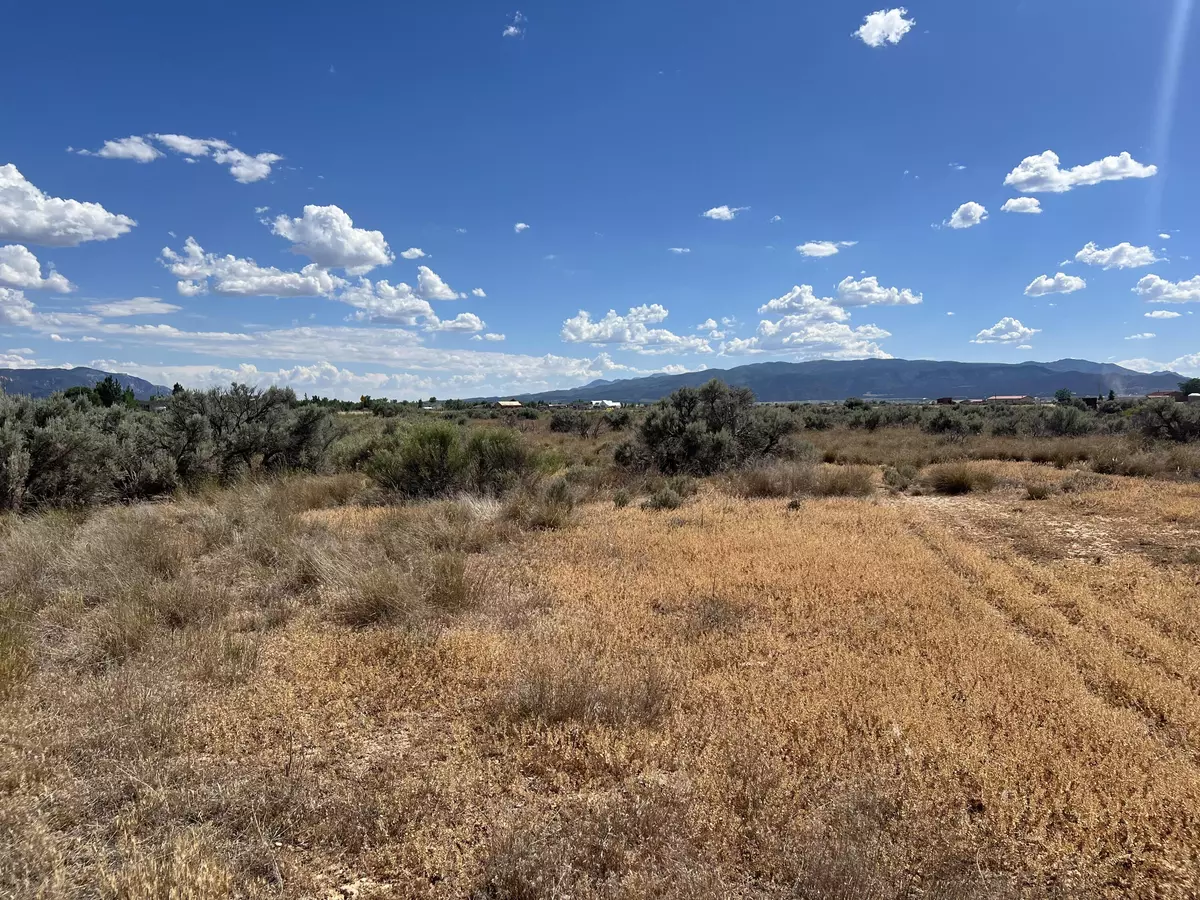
(44, 382)
(885, 379)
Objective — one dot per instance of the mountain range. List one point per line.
(44, 382)
(884, 379)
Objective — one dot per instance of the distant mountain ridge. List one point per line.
(44, 382)
(884, 379)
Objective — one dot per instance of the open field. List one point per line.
(273, 691)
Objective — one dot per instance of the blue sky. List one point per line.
(204, 195)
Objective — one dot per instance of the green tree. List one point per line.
(1191, 386)
(110, 391)
(1062, 395)
(177, 389)
(83, 391)
(1112, 395)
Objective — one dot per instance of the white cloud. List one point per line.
(59, 338)
(1122, 256)
(886, 26)
(1024, 346)
(388, 303)
(431, 287)
(138, 306)
(464, 322)
(868, 292)
(1061, 283)
(520, 226)
(493, 336)
(29, 216)
(724, 213)
(15, 359)
(801, 300)
(261, 209)
(1159, 290)
(15, 309)
(190, 146)
(236, 277)
(774, 219)
(1162, 314)
(800, 335)
(1007, 331)
(823, 248)
(679, 251)
(1026, 205)
(1165, 236)
(134, 147)
(968, 215)
(327, 236)
(244, 167)
(1144, 336)
(1041, 174)
(19, 268)
(413, 253)
(631, 332)
(478, 292)
(516, 28)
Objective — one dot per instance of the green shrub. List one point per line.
(707, 430)
(497, 459)
(900, 477)
(663, 498)
(547, 508)
(621, 499)
(430, 462)
(1038, 490)
(1166, 419)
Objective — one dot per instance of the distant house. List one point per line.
(945, 401)
(1090, 402)
(605, 404)
(509, 404)
(1177, 396)
(1010, 398)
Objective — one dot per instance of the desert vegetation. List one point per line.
(253, 646)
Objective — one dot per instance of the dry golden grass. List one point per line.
(268, 693)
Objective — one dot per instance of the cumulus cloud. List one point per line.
(134, 147)
(1164, 236)
(493, 336)
(823, 248)
(1061, 283)
(232, 276)
(19, 268)
(1158, 290)
(1185, 365)
(1162, 314)
(1026, 205)
(466, 322)
(15, 308)
(413, 253)
(802, 301)
(968, 215)
(1042, 174)
(679, 251)
(327, 236)
(431, 287)
(1122, 256)
(386, 302)
(868, 292)
(724, 213)
(775, 219)
(15, 359)
(799, 335)
(478, 292)
(244, 167)
(1007, 331)
(520, 226)
(885, 26)
(29, 216)
(631, 332)
(1144, 336)
(138, 306)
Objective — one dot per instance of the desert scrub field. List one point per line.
(278, 691)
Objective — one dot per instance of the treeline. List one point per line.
(80, 449)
